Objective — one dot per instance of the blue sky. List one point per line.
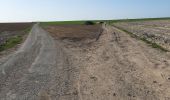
(57, 10)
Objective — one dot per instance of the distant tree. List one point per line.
(89, 23)
(101, 22)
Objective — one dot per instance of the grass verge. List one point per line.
(11, 43)
(153, 45)
(27, 30)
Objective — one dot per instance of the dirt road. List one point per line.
(27, 72)
(116, 67)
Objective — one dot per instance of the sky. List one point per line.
(63, 10)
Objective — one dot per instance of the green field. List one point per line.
(108, 21)
(62, 22)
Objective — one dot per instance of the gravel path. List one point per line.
(116, 67)
(28, 71)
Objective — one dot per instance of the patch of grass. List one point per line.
(153, 45)
(11, 43)
(27, 30)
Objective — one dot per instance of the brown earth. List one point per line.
(75, 32)
(14, 26)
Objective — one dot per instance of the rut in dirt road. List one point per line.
(115, 67)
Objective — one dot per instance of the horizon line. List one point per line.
(87, 20)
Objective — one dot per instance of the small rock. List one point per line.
(129, 94)
(75, 92)
(93, 78)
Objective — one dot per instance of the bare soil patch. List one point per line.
(14, 26)
(75, 32)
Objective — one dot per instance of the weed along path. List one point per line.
(115, 67)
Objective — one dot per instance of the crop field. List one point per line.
(154, 31)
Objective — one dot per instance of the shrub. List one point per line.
(89, 23)
(101, 22)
